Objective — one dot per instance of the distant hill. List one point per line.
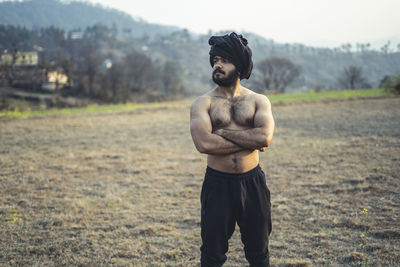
(320, 67)
(74, 15)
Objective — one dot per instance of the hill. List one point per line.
(320, 67)
(74, 15)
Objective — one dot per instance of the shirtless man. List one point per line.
(232, 124)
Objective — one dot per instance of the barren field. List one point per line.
(123, 188)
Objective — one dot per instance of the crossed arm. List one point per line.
(224, 141)
(260, 136)
(201, 129)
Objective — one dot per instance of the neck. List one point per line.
(230, 91)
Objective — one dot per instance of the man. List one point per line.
(231, 124)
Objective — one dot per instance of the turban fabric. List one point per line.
(234, 48)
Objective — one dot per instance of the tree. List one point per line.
(91, 63)
(385, 49)
(140, 72)
(276, 73)
(3, 81)
(346, 48)
(352, 78)
(391, 83)
(114, 80)
(172, 79)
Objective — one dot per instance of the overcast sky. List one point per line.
(312, 22)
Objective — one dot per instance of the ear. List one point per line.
(212, 61)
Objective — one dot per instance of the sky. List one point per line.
(312, 22)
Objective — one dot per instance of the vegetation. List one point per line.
(25, 111)
(73, 15)
(352, 78)
(125, 60)
(391, 83)
(328, 95)
(98, 65)
(120, 34)
(275, 74)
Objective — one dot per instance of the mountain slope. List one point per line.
(320, 67)
(73, 15)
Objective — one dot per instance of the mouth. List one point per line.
(217, 71)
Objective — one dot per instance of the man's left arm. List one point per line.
(258, 137)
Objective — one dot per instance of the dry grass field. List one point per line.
(123, 188)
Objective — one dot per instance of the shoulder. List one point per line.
(258, 98)
(201, 102)
(261, 101)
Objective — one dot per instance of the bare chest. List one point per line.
(225, 112)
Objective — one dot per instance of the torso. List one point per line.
(235, 113)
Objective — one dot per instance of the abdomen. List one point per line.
(239, 162)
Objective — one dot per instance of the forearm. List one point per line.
(218, 145)
(254, 138)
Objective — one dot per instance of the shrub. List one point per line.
(391, 83)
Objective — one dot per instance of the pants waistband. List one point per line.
(226, 175)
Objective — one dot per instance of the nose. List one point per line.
(217, 64)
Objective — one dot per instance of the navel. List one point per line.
(235, 163)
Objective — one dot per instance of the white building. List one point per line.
(21, 59)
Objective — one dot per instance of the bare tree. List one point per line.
(140, 72)
(171, 78)
(385, 49)
(7, 75)
(352, 78)
(91, 63)
(3, 81)
(115, 81)
(275, 74)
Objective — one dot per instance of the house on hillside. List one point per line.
(55, 79)
(22, 59)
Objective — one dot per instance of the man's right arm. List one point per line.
(201, 129)
(260, 136)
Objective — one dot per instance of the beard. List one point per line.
(227, 81)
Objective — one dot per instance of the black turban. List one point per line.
(234, 48)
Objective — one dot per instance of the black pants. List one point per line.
(229, 198)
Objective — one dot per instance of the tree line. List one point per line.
(107, 64)
(97, 63)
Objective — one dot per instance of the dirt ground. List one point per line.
(123, 188)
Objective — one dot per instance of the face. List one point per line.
(224, 72)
